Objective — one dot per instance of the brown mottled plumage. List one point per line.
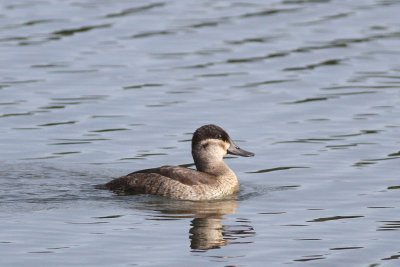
(213, 179)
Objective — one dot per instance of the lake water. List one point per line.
(91, 90)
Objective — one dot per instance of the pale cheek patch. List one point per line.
(226, 146)
(214, 146)
(209, 142)
(215, 142)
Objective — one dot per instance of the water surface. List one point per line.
(91, 90)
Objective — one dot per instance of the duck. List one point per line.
(211, 180)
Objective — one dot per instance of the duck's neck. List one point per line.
(212, 166)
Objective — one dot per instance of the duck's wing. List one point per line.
(181, 174)
(161, 181)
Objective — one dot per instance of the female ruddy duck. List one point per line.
(213, 179)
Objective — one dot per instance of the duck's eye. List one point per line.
(219, 136)
(205, 145)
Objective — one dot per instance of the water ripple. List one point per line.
(134, 10)
(278, 169)
(82, 29)
(57, 123)
(335, 218)
(328, 62)
(268, 12)
(389, 226)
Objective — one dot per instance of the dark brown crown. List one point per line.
(209, 131)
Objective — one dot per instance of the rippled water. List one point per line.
(91, 90)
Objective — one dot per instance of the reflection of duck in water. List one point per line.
(213, 179)
(206, 231)
(210, 233)
(207, 227)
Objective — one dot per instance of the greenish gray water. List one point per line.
(91, 90)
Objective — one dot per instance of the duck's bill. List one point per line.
(235, 150)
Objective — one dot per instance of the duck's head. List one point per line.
(210, 143)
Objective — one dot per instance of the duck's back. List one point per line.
(176, 183)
